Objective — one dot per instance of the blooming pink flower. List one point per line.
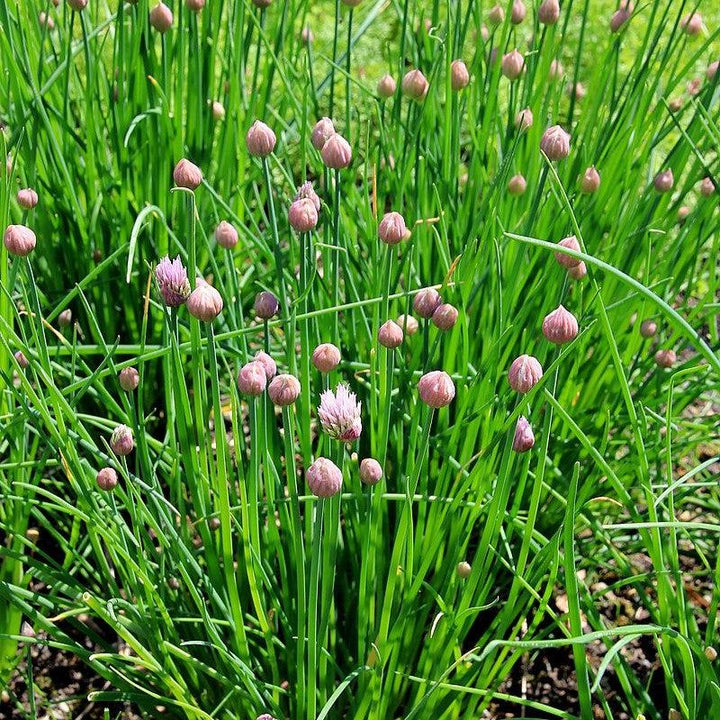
(339, 413)
(172, 280)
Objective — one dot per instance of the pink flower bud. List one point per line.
(517, 185)
(187, 175)
(78, 5)
(129, 379)
(121, 440)
(161, 18)
(426, 302)
(621, 16)
(577, 90)
(22, 360)
(226, 236)
(408, 324)
(484, 32)
(577, 272)
(336, 152)
(260, 139)
(459, 75)
(707, 187)
(284, 390)
(106, 479)
(524, 119)
(675, 104)
(218, 110)
(549, 12)
(518, 12)
(326, 357)
(392, 228)
(415, 85)
(567, 261)
(560, 326)
(712, 69)
(524, 438)
(648, 328)
(65, 318)
(682, 214)
(524, 373)
(266, 305)
(46, 21)
(324, 478)
(195, 5)
(496, 15)
(665, 358)
(370, 471)
(590, 180)
(555, 143)
(513, 65)
(252, 379)
(267, 362)
(386, 86)
(302, 215)
(19, 240)
(464, 569)
(205, 303)
(390, 335)
(556, 70)
(27, 198)
(307, 35)
(694, 87)
(445, 316)
(322, 132)
(436, 389)
(664, 181)
(692, 23)
(307, 192)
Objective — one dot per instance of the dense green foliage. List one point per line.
(211, 581)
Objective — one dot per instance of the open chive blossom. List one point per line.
(172, 279)
(339, 414)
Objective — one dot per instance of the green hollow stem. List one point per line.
(336, 259)
(222, 496)
(299, 551)
(312, 616)
(334, 57)
(278, 253)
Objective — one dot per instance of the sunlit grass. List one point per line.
(213, 579)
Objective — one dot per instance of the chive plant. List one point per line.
(450, 511)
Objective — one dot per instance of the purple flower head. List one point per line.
(172, 278)
(339, 414)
